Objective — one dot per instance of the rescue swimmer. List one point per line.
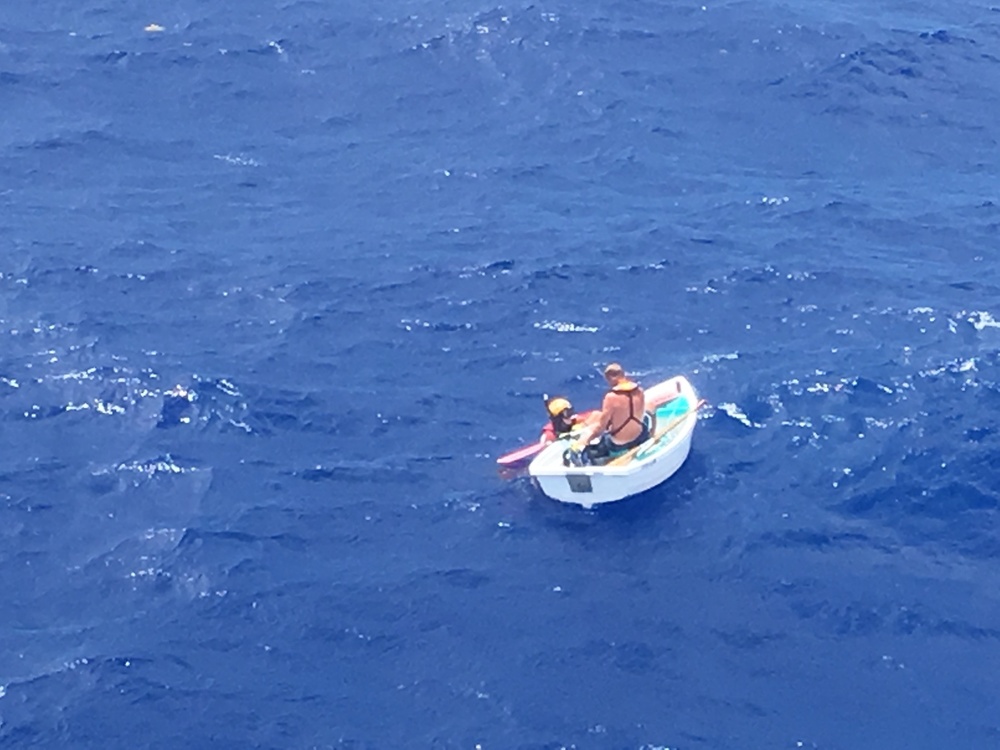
(562, 418)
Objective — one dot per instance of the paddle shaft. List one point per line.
(516, 456)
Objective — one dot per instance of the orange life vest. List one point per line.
(630, 390)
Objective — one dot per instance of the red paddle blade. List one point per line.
(521, 454)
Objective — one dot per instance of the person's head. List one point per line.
(614, 374)
(559, 407)
(560, 414)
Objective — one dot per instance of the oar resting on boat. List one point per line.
(655, 440)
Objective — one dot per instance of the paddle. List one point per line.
(660, 434)
(521, 454)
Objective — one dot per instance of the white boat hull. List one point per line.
(654, 462)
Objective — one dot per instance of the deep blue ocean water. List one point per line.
(365, 238)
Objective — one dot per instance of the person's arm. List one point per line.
(594, 427)
(585, 437)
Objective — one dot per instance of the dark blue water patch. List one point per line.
(910, 497)
(817, 540)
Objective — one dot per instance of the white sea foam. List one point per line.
(738, 414)
(237, 160)
(981, 320)
(563, 327)
(712, 358)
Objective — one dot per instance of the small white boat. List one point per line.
(640, 469)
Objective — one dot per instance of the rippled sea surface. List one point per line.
(280, 279)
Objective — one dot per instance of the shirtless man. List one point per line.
(621, 424)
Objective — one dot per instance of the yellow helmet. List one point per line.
(558, 405)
